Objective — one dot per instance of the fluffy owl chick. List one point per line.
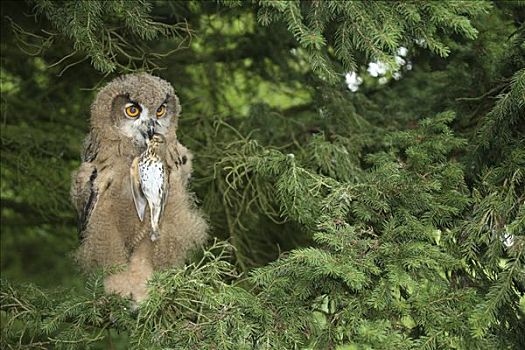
(149, 181)
(124, 116)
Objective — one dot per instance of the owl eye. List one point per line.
(161, 111)
(132, 111)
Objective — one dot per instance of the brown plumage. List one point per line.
(110, 229)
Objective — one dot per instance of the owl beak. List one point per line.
(151, 129)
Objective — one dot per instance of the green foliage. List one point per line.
(341, 30)
(388, 218)
(113, 34)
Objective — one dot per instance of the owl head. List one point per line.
(136, 106)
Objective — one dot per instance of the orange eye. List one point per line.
(132, 111)
(161, 111)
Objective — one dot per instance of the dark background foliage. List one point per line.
(388, 217)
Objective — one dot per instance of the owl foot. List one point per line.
(127, 286)
(132, 282)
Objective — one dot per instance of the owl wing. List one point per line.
(84, 194)
(138, 196)
(90, 148)
(182, 157)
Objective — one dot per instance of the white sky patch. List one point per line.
(381, 70)
(508, 240)
(420, 42)
(400, 60)
(377, 68)
(353, 81)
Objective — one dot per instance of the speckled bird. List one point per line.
(125, 114)
(149, 182)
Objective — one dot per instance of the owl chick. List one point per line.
(149, 182)
(125, 115)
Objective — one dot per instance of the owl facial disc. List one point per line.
(140, 124)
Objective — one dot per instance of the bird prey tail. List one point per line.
(155, 211)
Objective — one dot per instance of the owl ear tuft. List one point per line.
(174, 104)
(117, 105)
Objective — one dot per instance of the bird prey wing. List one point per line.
(138, 196)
